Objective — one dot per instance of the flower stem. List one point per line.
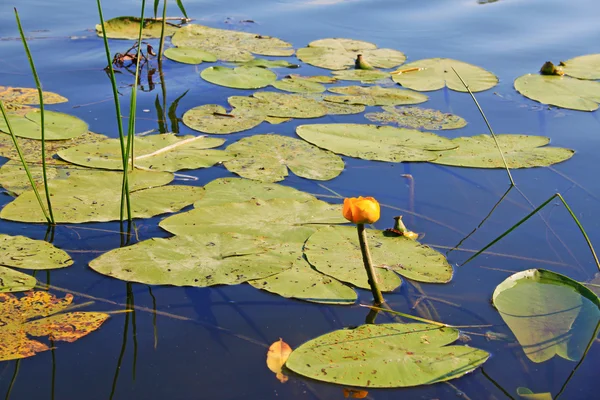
(366, 254)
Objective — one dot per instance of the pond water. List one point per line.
(184, 343)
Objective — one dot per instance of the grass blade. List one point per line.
(162, 32)
(181, 8)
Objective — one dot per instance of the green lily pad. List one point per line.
(165, 152)
(22, 96)
(14, 178)
(560, 91)
(550, 314)
(96, 197)
(13, 281)
(339, 54)
(335, 251)
(267, 158)
(23, 252)
(583, 67)
(262, 63)
(316, 78)
(520, 151)
(304, 283)
(239, 77)
(229, 45)
(189, 55)
(129, 27)
(362, 75)
(526, 393)
(212, 118)
(436, 73)
(374, 142)
(235, 190)
(416, 117)
(285, 220)
(58, 126)
(203, 259)
(298, 85)
(386, 356)
(375, 96)
(276, 120)
(280, 105)
(32, 149)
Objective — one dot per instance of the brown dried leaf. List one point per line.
(276, 357)
(355, 393)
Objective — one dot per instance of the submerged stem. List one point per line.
(366, 254)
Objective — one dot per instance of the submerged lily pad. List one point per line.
(189, 55)
(96, 197)
(22, 96)
(520, 151)
(58, 126)
(583, 67)
(436, 73)
(550, 314)
(304, 283)
(13, 281)
(239, 77)
(212, 118)
(560, 91)
(339, 54)
(164, 152)
(267, 158)
(335, 251)
(386, 356)
(23, 252)
(298, 85)
(201, 259)
(373, 142)
(375, 96)
(129, 27)
(416, 117)
(362, 75)
(280, 105)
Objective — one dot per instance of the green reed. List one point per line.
(164, 22)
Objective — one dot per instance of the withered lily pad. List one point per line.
(339, 54)
(239, 77)
(129, 27)
(560, 91)
(373, 142)
(520, 151)
(58, 126)
(416, 117)
(375, 96)
(212, 118)
(267, 158)
(22, 96)
(23, 252)
(386, 356)
(436, 73)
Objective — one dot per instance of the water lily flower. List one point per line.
(361, 210)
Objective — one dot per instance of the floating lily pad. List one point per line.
(560, 91)
(416, 117)
(202, 259)
(526, 393)
(316, 78)
(335, 251)
(129, 27)
(276, 120)
(14, 178)
(520, 151)
(436, 73)
(189, 55)
(23, 252)
(339, 54)
(375, 96)
(96, 197)
(165, 152)
(58, 126)
(304, 283)
(262, 63)
(582, 67)
(362, 75)
(240, 77)
(13, 281)
(286, 220)
(280, 105)
(267, 158)
(373, 142)
(212, 118)
(229, 45)
(298, 85)
(36, 314)
(22, 96)
(550, 314)
(32, 149)
(386, 356)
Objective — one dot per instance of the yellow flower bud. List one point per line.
(361, 210)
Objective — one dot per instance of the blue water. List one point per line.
(211, 343)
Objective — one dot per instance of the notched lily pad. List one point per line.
(582, 67)
(189, 55)
(58, 126)
(418, 118)
(239, 77)
(267, 158)
(375, 96)
(560, 91)
(129, 27)
(23, 252)
(212, 118)
(436, 73)
(520, 151)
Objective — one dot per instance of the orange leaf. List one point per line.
(355, 393)
(277, 356)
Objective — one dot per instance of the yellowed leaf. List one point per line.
(276, 357)
(21, 96)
